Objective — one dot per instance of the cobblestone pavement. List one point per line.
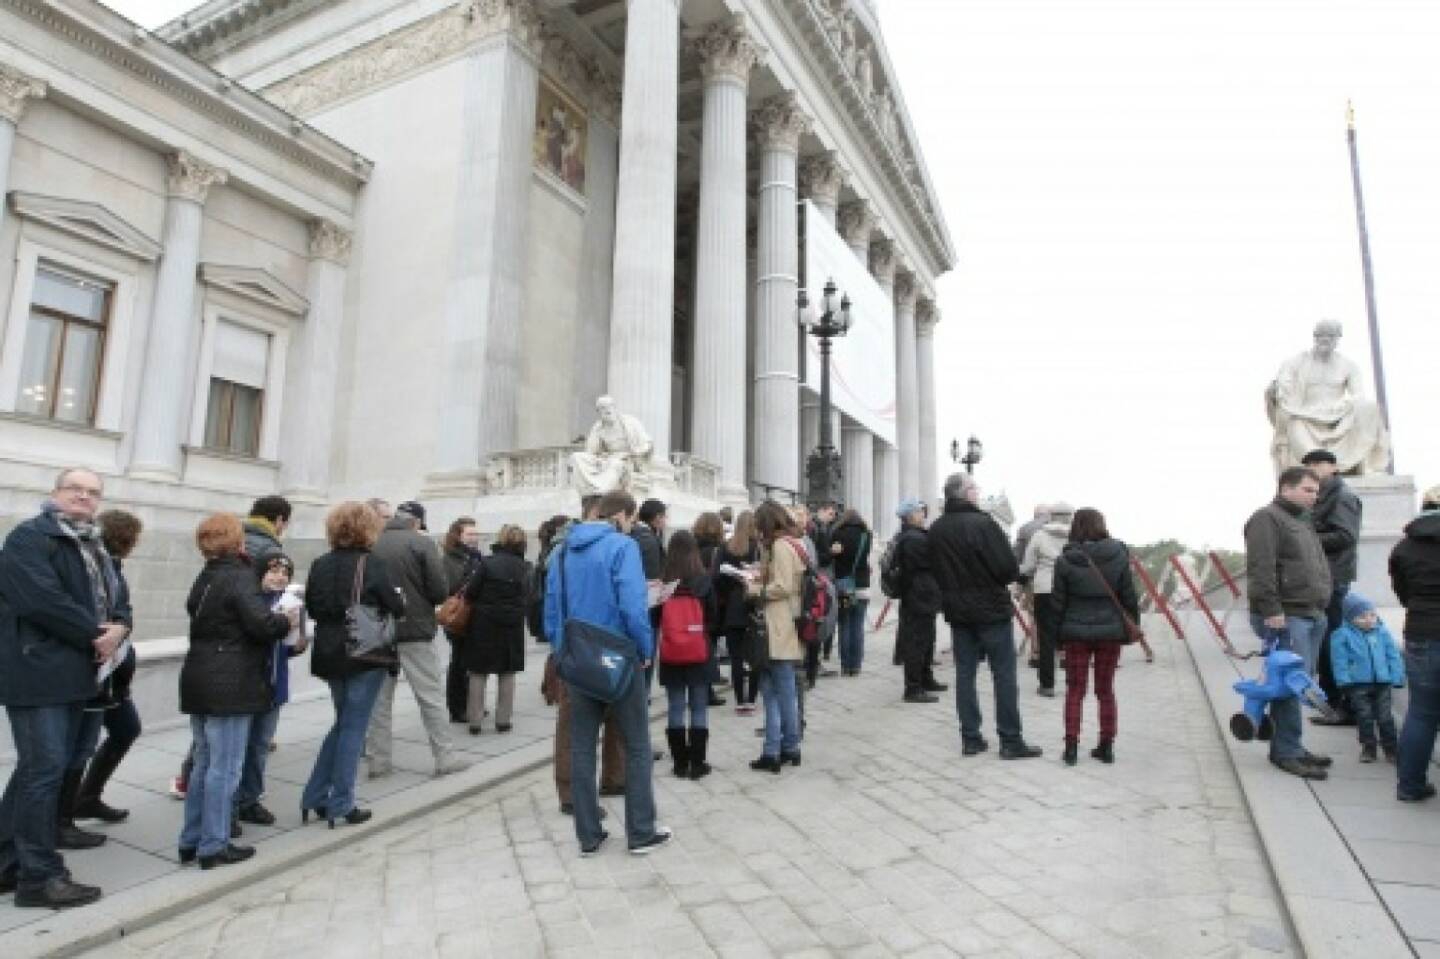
(884, 842)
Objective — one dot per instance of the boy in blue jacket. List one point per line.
(1367, 664)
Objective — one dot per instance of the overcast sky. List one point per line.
(1151, 204)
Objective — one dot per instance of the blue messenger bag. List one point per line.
(593, 659)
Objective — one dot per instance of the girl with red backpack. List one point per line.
(687, 619)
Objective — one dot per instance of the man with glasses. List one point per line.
(63, 611)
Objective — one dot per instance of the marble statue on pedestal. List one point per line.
(616, 455)
(1316, 402)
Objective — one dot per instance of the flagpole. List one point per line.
(1367, 270)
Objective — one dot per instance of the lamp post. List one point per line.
(822, 469)
(973, 452)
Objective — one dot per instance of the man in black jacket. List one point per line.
(62, 611)
(1336, 518)
(649, 535)
(919, 605)
(974, 567)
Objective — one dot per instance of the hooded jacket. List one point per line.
(1364, 656)
(598, 569)
(919, 593)
(973, 565)
(260, 539)
(1415, 575)
(1336, 518)
(1285, 563)
(413, 561)
(1084, 607)
(1045, 546)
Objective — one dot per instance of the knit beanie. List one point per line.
(1355, 605)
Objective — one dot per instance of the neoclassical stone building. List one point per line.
(337, 248)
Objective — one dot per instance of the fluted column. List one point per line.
(16, 90)
(821, 178)
(780, 124)
(907, 387)
(308, 438)
(642, 311)
(887, 458)
(485, 289)
(170, 345)
(857, 459)
(856, 221)
(926, 316)
(592, 338)
(726, 54)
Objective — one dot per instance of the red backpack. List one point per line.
(817, 598)
(683, 640)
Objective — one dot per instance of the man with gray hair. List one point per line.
(974, 567)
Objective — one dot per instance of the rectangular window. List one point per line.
(237, 389)
(64, 344)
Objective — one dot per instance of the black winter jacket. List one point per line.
(329, 591)
(1336, 518)
(854, 556)
(1415, 574)
(1285, 563)
(232, 630)
(652, 550)
(48, 622)
(732, 605)
(1082, 605)
(973, 565)
(919, 591)
(495, 642)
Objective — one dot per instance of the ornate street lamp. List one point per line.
(973, 451)
(822, 469)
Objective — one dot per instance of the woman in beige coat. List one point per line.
(778, 590)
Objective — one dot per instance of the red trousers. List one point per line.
(1077, 673)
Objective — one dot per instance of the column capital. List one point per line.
(520, 17)
(329, 242)
(883, 260)
(781, 122)
(190, 178)
(821, 177)
(857, 221)
(727, 51)
(927, 314)
(905, 291)
(16, 89)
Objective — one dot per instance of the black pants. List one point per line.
(1325, 674)
(1371, 704)
(735, 640)
(1045, 627)
(914, 643)
(457, 684)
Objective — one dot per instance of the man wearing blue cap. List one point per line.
(919, 604)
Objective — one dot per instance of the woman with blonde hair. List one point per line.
(778, 589)
(224, 684)
(346, 576)
(495, 642)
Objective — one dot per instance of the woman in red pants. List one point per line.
(1097, 612)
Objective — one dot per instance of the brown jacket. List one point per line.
(782, 577)
(1285, 563)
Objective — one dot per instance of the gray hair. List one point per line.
(69, 471)
(1328, 328)
(959, 485)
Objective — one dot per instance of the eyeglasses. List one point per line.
(94, 492)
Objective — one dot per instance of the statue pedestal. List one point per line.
(1389, 503)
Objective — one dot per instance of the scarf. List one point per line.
(104, 584)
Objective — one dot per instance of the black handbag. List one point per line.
(593, 660)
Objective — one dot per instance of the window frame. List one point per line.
(229, 418)
(220, 307)
(65, 320)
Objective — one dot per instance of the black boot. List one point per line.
(680, 750)
(102, 767)
(1104, 752)
(699, 741)
(67, 834)
(1072, 752)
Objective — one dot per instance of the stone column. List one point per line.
(780, 123)
(170, 344)
(484, 301)
(856, 221)
(881, 256)
(926, 316)
(642, 311)
(308, 438)
(592, 340)
(726, 54)
(907, 387)
(16, 89)
(857, 457)
(821, 177)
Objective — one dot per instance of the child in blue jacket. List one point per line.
(1367, 663)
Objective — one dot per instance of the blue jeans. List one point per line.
(996, 641)
(782, 708)
(209, 800)
(1303, 636)
(257, 752)
(698, 695)
(332, 781)
(1422, 718)
(632, 716)
(46, 739)
(852, 634)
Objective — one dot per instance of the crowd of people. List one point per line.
(772, 591)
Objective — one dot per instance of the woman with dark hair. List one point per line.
(709, 530)
(740, 552)
(347, 575)
(460, 551)
(550, 535)
(852, 583)
(495, 642)
(778, 588)
(224, 684)
(686, 680)
(1096, 613)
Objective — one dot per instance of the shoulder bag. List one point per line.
(369, 630)
(1133, 632)
(594, 660)
(454, 613)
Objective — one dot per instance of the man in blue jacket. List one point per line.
(600, 574)
(62, 612)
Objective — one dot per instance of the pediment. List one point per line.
(88, 221)
(258, 286)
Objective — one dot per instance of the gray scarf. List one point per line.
(103, 582)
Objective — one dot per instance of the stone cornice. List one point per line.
(190, 178)
(727, 51)
(221, 25)
(821, 177)
(857, 221)
(329, 242)
(16, 90)
(780, 122)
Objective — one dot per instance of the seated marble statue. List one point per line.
(1316, 402)
(617, 453)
